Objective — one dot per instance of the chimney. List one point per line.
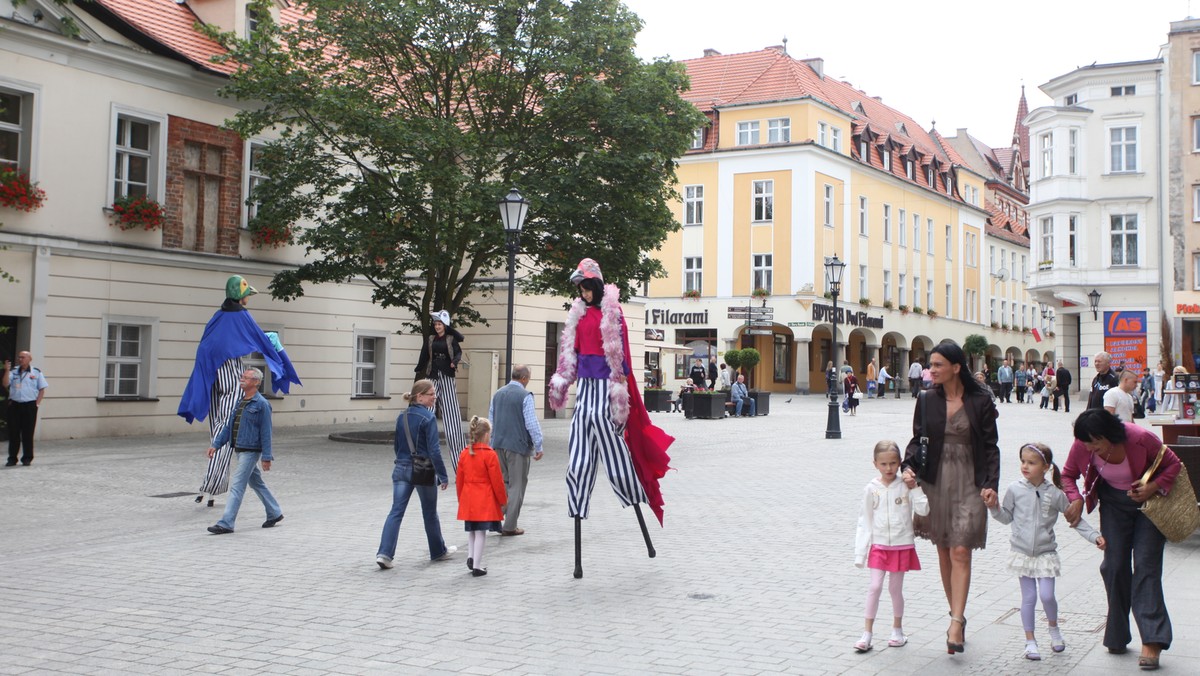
(817, 64)
(878, 98)
(711, 52)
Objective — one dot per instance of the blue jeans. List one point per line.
(753, 406)
(401, 492)
(247, 472)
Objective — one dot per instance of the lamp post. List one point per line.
(833, 280)
(513, 209)
(1094, 300)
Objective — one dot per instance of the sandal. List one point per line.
(863, 645)
(1147, 663)
(952, 647)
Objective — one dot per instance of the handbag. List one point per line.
(1174, 514)
(858, 395)
(422, 467)
(922, 456)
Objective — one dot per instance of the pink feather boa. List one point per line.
(614, 354)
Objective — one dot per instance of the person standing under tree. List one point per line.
(517, 436)
(439, 363)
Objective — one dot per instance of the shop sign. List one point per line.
(824, 313)
(673, 318)
(802, 325)
(1125, 339)
(1187, 309)
(656, 334)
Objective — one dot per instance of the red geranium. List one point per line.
(18, 192)
(138, 211)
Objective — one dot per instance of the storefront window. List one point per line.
(783, 358)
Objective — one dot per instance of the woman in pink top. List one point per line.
(1111, 457)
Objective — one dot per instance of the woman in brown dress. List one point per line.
(961, 471)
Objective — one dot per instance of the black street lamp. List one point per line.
(1094, 300)
(833, 281)
(513, 209)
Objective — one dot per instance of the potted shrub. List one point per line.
(995, 325)
(932, 314)
(733, 359)
(903, 309)
(1004, 326)
(136, 211)
(709, 404)
(865, 302)
(18, 192)
(760, 293)
(657, 399)
(887, 305)
(693, 294)
(917, 309)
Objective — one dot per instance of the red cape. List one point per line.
(647, 443)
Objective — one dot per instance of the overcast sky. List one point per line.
(959, 63)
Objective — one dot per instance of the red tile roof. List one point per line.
(172, 26)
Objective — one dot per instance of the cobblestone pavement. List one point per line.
(754, 572)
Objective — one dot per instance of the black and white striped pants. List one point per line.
(222, 401)
(447, 405)
(595, 436)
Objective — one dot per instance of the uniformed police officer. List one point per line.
(26, 387)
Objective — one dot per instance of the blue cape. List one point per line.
(229, 335)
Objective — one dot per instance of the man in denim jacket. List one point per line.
(250, 429)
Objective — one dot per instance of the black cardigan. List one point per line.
(981, 412)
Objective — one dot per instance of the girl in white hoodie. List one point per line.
(884, 542)
(1032, 506)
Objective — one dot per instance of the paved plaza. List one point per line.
(754, 572)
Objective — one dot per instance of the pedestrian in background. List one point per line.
(884, 542)
(915, 381)
(517, 438)
(1048, 388)
(1031, 507)
(884, 377)
(1119, 400)
(712, 374)
(698, 375)
(872, 381)
(416, 435)
(481, 494)
(1104, 380)
(852, 393)
(26, 386)
(248, 430)
(1020, 379)
(725, 377)
(1062, 382)
(1006, 378)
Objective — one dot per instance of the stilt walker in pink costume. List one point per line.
(610, 422)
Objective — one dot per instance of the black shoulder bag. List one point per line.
(922, 455)
(422, 467)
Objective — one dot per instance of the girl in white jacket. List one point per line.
(884, 542)
(1032, 506)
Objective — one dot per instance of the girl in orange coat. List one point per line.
(481, 494)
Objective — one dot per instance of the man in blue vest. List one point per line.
(26, 387)
(516, 436)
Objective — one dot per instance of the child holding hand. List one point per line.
(481, 494)
(884, 542)
(1032, 506)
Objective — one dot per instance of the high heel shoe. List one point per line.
(951, 647)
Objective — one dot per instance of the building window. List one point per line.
(16, 129)
(1073, 151)
(1024, 268)
(949, 300)
(908, 167)
(887, 222)
(903, 228)
(887, 285)
(835, 137)
(970, 248)
(828, 206)
(1071, 99)
(1124, 239)
(254, 178)
(1123, 90)
(1196, 272)
(822, 134)
(1072, 241)
(949, 241)
(1196, 203)
(916, 291)
(929, 177)
(252, 20)
(929, 294)
(862, 216)
(370, 364)
(783, 359)
(779, 130)
(697, 138)
(992, 259)
(764, 200)
(1046, 153)
(256, 360)
(693, 205)
(1195, 67)
(762, 271)
(203, 177)
(135, 157)
(971, 305)
(1196, 134)
(693, 278)
(747, 133)
(929, 236)
(886, 156)
(129, 358)
(864, 150)
(1047, 252)
(1123, 149)
(901, 287)
(992, 311)
(863, 288)
(916, 232)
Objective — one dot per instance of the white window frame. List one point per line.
(1196, 268)
(697, 138)
(916, 289)
(903, 215)
(779, 130)
(1073, 151)
(1196, 134)
(1123, 90)
(1046, 239)
(28, 126)
(1024, 268)
(693, 204)
(1046, 153)
(693, 273)
(380, 364)
(949, 240)
(929, 294)
(252, 177)
(863, 286)
(828, 205)
(1129, 230)
(1126, 148)
(863, 226)
(1196, 67)
(157, 170)
(1072, 240)
(887, 223)
(887, 284)
(916, 241)
(901, 287)
(822, 134)
(761, 271)
(260, 362)
(908, 168)
(930, 178)
(930, 244)
(970, 247)
(762, 201)
(1196, 202)
(835, 138)
(949, 301)
(747, 133)
(886, 156)
(992, 311)
(147, 359)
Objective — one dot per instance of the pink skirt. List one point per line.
(893, 559)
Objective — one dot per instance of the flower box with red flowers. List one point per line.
(18, 192)
(137, 211)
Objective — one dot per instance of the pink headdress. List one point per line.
(587, 269)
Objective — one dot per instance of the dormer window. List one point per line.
(886, 156)
(1071, 99)
(864, 150)
(252, 20)
(697, 138)
(929, 177)
(908, 167)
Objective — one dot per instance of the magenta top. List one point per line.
(1118, 475)
(1141, 448)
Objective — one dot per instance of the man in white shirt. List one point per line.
(1119, 400)
(914, 378)
(884, 377)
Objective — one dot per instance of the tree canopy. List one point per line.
(400, 124)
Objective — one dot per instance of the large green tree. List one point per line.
(401, 123)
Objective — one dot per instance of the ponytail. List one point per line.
(1056, 476)
(480, 427)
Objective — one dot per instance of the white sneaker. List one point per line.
(384, 562)
(449, 550)
(1031, 651)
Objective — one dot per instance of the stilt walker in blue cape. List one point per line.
(212, 390)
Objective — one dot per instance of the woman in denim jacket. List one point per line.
(422, 426)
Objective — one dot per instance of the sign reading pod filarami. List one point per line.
(824, 313)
